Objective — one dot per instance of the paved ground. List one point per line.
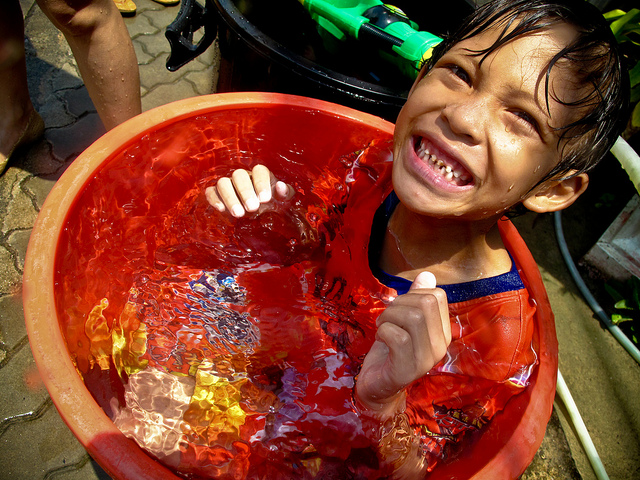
(35, 443)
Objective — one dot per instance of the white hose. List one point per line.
(629, 160)
(580, 428)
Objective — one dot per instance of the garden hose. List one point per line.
(588, 296)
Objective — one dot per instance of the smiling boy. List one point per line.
(513, 109)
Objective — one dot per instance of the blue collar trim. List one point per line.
(458, 292)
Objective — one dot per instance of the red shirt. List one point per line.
(272, 343)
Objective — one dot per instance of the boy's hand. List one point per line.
(245, 191)
(413, 335)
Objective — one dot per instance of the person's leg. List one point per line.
(19, 123)
(103, 50)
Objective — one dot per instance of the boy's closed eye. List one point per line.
(521, 116)
(460, 72)
(527, 120)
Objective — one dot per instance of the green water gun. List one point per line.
(385, 26)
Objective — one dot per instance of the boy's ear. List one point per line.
(556, 194)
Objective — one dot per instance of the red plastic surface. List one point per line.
(511, 439)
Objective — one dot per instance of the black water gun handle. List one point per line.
(191, 18)
(378, 37)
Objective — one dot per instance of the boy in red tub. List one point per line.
(512, 110)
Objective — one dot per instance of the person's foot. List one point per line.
(126, 7)
(167, 3)
(32, 130)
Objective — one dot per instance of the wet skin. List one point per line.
(473, 139)
(488, 121)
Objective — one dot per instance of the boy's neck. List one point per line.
(455, 251)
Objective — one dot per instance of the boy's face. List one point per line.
(474, 138)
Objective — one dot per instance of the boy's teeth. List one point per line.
(459, 176)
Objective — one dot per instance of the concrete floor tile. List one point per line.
(141, 54)
(19, 212)
(152, 46)
(553, 459)
(43, 168)
(65, 77)
(86, 469)
(164, 94)
(155, 73)
(78, 101)
(12, 327)
(210, 58)
(52, 450)
(70, 141)
(27, 5)
(17, 241)
(38, 188)
(163, 16)
(22, 391)
(140, 25)
(10, 278)
(149, 6)
(54, 113)
(203, 81)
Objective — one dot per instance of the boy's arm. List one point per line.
(413, 335)
(245, 192)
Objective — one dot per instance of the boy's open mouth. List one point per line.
(450, 170)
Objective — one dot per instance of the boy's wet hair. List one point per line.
(594, 61)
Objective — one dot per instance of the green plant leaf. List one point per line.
(617, 319)
(613, 292)
(634, 75)
(635, 116)
(623, 305)
(628, 23)
(635, 291)
(635, 94)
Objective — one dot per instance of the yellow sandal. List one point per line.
(167, 3)
(126, 7)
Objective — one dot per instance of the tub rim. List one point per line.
(120, 456)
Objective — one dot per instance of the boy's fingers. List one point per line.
(211, 194)
(400, 350)
(227, 193)
(424, 315)
(284, 191)
(244, 192)
(244, 186)
(424, 280)
(446, 320)
(262, 176)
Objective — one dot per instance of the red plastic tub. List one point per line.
(152, 161)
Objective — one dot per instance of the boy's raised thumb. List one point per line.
(424, 280)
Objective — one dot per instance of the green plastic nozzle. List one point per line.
(386, 27)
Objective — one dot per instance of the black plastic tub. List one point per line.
(274, 46)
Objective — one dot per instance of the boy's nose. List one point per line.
(466, 119)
